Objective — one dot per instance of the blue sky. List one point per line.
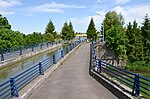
(30, 16)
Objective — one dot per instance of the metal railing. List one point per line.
(11, 53)
(11, 87)
(138, 84)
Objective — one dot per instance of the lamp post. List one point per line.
(103, 28)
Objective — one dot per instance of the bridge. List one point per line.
(75, 73)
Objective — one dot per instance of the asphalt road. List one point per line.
(72, 81)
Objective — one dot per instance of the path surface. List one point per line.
(72, 81)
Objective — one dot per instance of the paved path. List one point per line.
(72, 81)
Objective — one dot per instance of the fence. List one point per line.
(11, 87)
(10, 52)
(139, 85)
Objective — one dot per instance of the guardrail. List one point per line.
(138, 84)
(10, 53)
(11, 87)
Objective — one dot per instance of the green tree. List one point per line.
(50, 29)
(116, 38)
(35, 38)
(135, 44)
(71, 32)
(49, 37)
(4, 23)
(10, 39)
(112, 19)
(146, 37)
(91, 31)
(65, 31)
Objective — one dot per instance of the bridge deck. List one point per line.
(72, 81)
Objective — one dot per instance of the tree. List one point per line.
(91, 31)
(146, 37)
(50, 29)
(4, 23)
(35, 38)
(67, 31)
(49, 37)
(112, 19)
(135, 44)
(72, 34)
(116, 38)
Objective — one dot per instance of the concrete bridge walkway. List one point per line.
(72, 80)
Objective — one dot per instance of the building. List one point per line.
(82, 36)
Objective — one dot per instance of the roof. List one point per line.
(81, 35)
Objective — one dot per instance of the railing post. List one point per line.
(54, 59)
(100, 66)
(136, 86)
(41, 69)
(47, 44)
(14, 91)
(20, 50)
(62, 53)
(41, 46)
(32, 49)
(2, 57)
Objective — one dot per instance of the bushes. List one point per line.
(138, 66)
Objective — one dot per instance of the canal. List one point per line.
(9, 71)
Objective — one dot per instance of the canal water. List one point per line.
(9, 71)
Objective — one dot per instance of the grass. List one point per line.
(142, 68)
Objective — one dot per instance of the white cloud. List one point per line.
(121, 1)
(59, 5)
(136, 12)
(53, 7)
(84, 21)
(7, 12)
(4, 4)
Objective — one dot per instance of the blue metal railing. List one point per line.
(11, 87)
(139, 85)
(11, 53)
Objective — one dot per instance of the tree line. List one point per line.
(131, 42)
(14, 39)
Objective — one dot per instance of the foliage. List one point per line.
(91, 31)
(146, 37)
(138, 66)
(4, 24)
(135, 44)
(10, 39)
(32, 39)
(116, 38)
(49, 37)
(112, 19)
(50, 29)
(67, 31)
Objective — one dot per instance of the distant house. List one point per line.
(81, 36)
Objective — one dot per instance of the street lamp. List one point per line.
(103, 28)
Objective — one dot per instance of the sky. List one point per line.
(28, 16)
